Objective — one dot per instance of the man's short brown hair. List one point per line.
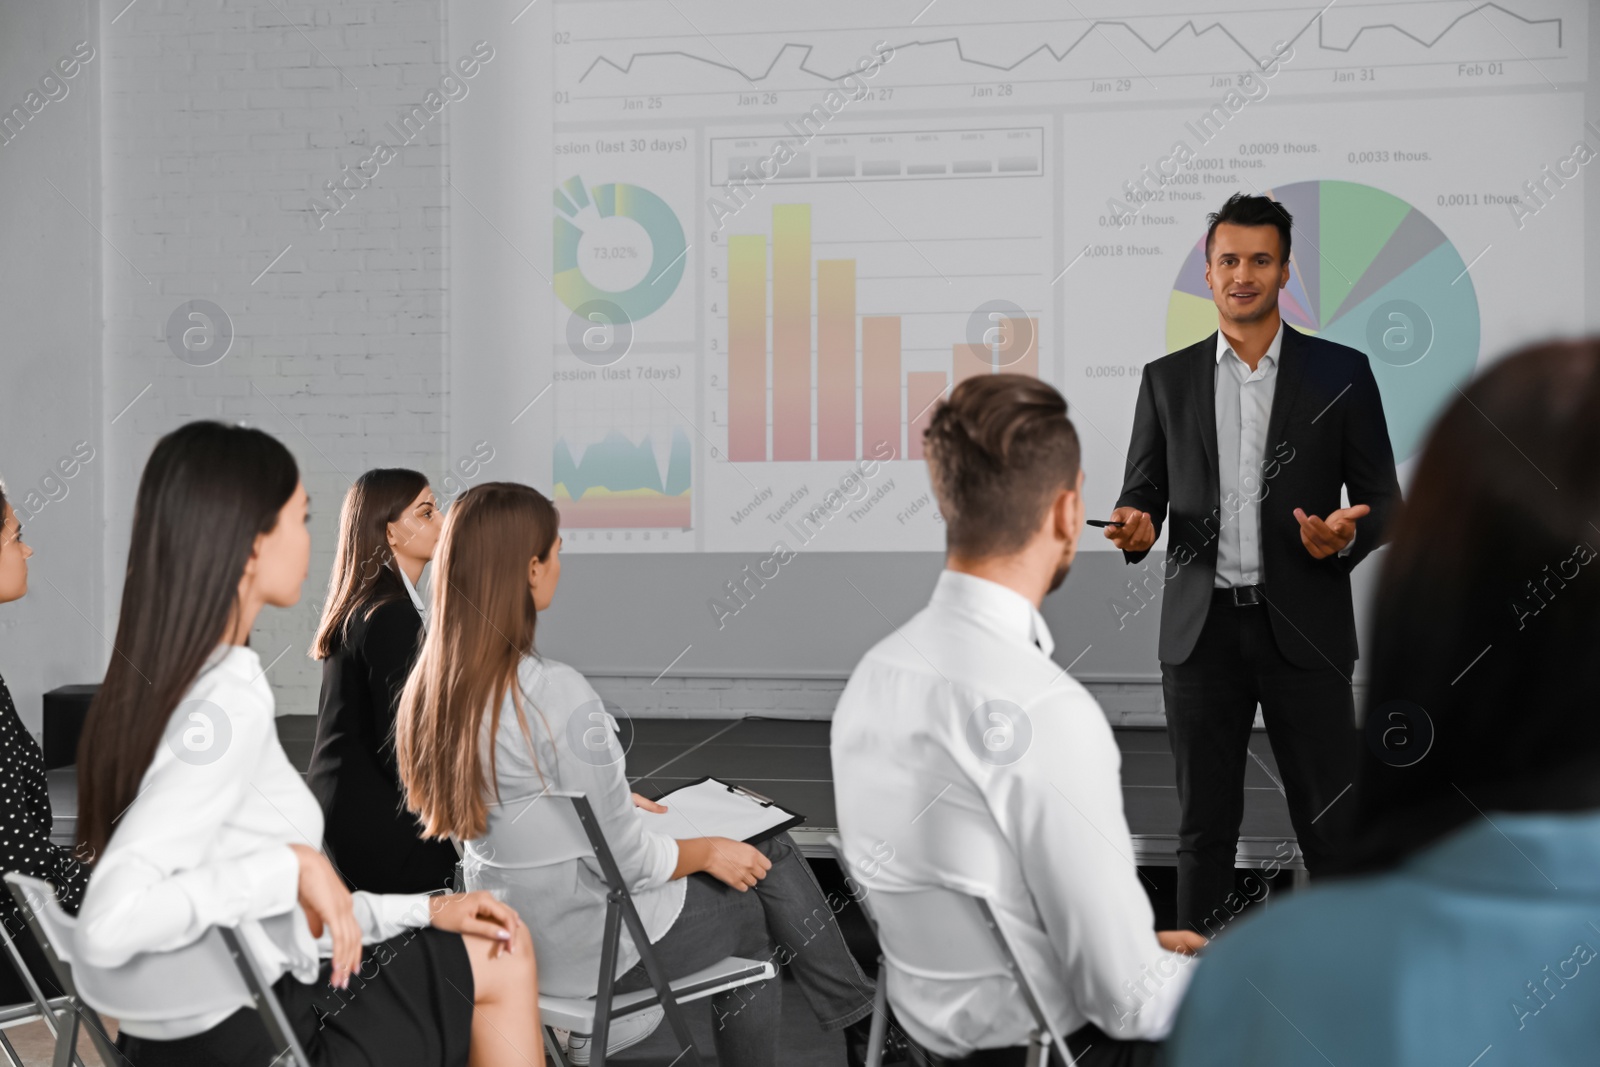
(999, 449)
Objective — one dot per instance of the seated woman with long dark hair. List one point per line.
(484, 716)
(367, 641)
(1472, 933)
(199, 820)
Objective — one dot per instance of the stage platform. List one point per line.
(787, 760)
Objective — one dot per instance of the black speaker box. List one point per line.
(64, 711)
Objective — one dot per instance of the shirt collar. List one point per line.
(237, 659)
(411, 590)
(1223, 347)
(1005, 609)
(1517, 852)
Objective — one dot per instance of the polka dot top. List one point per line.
(25, 818)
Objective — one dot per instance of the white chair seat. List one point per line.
(216, 972)
(577, 1013)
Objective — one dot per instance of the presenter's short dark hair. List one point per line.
(1242, 209)
(999, 449)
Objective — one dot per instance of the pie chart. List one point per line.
(617, 200)
(1368, 270)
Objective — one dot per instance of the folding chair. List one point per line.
(563, 827)
(36, 900)
(971, 945)
(877, 1033)
(17, 1015)
(27, 1011)
(40, 1007)
(216, 973)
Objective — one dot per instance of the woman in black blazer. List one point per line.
(368, 639)
(25, 816)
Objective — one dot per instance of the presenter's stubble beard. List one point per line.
(1265, 304)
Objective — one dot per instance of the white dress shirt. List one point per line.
(416, 597)
(1244, 408)
(965, 757)
(1244, 405)
(562, 899)
(206, 843)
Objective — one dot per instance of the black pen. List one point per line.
(1102, 522)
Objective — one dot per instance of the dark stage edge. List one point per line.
(787, 760)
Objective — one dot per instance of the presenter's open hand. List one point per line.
(480, 914)
(328, 905)
(1324, 537)
(1185, 941)
(1136, 533)
(734, 862)
(648, 805)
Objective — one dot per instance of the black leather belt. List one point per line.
(1240, 596)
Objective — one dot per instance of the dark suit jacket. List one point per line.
(1326, 431)
(370, 837)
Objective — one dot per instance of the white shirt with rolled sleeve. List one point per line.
(965, 757)
(206, 843)
(1244, 400)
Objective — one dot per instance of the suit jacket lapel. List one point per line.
(1203, 380)
(1291, 368)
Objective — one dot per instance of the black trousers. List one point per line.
(410, 1005)
(1089, 1047)
(1211, 702)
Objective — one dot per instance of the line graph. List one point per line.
(1152, 46)
(664, 61)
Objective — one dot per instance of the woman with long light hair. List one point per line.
(484, 717)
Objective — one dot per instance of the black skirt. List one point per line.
(409, 1005)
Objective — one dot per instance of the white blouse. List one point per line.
(206, 843)
(416, 597)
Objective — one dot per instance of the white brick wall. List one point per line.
(221, 121)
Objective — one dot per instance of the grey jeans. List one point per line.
(786, 918)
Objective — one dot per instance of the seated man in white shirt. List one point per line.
(965, 757)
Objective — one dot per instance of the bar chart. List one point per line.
(816, 363)
(838, 309)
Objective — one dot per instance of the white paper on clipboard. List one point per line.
(713, 808)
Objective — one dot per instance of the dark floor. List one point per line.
(788, 761)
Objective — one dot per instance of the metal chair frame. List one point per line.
(620, 912)
(73, 1008)
(1043, 1037)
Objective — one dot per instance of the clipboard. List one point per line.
(702, 809)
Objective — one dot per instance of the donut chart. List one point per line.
(618, 200)
(1369, 271)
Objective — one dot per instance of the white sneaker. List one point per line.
(625, 1033)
